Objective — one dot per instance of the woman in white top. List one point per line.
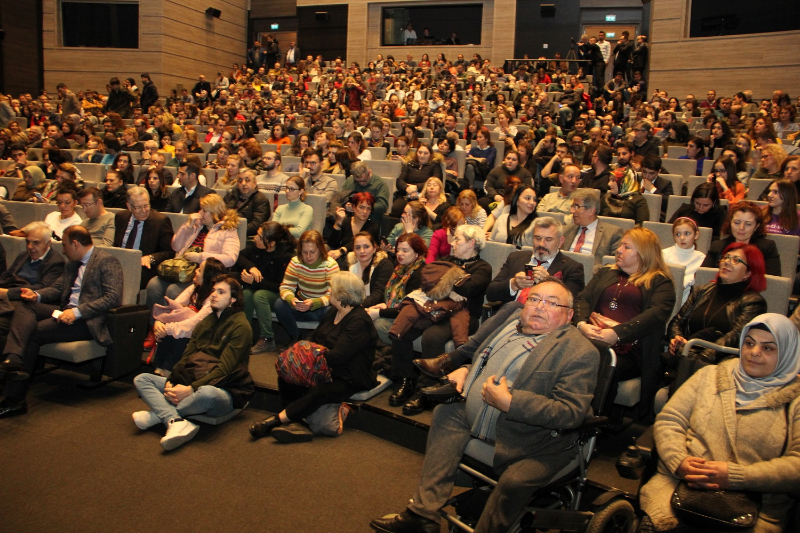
(685, 235)
(516, 227)
(356, 142)
(58, 221)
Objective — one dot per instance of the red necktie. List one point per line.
(581, 239)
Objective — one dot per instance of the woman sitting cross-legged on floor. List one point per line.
(212, 376)
(175, 322)
(347, 332)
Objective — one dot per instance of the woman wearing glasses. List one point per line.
(745, 225)
(627, 305)
(725, 176)
(718, 311)
(296, 214)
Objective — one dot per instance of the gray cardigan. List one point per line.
(701, 420)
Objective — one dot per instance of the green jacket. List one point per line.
(227, 338)
(376, 187)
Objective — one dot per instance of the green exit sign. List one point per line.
(278, 26)
(611, 18)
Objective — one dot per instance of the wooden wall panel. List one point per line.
(177, 42)
(681, 65)
(272, 8)
(20, 58)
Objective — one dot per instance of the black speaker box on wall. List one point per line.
(213, 12)
(548, 10)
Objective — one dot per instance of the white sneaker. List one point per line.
(178, 432)
(145, 419)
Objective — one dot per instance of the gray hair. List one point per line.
(46, 231)
(474, 233)
(348, 289)
(547, 223)
(570, 296)
(589, 197)
(150, 144)
(359, 168)
(137, 191)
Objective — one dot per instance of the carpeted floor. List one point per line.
(76, 462)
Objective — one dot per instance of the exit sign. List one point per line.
(611, 18)
(278, 26)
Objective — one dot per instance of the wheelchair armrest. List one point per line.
(589, 424)
(706, 344)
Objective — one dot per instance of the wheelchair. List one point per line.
(556, 505)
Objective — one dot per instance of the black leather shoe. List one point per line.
(292, 432)
(403, 392)
(446, 393)
(264, 427)
(405, 522)
(416, 404)
(10, 408)
(13, 371)
(436, 367)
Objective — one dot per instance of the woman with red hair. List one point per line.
(718, 311)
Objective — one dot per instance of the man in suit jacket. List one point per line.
(141, 228)
(587, 235)
(513, 281)
(292, 55)
(37, 267)
(186, 199)
(554, 371)
(91, 285)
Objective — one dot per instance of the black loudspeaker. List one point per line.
(548, 10)
(322, 15)
(213, 12)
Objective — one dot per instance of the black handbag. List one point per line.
(719, 510)
(715, 510)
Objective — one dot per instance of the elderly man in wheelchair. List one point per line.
(533, 377)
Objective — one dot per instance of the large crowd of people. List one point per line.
(477, 147)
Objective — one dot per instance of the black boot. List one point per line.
(416, 404)
(264, 427)
(403, 392)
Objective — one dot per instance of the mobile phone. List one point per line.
(529, 270)
(38, 196)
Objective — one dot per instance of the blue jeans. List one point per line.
(288, 316)
(207, 399)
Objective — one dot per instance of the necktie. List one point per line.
(132, 236)
(540, 263)
(581, 239)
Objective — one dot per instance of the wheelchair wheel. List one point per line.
(617, 516)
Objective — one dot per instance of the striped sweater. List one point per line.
(303, 282)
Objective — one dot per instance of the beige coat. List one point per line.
(701, 420)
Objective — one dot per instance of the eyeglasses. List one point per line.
(549, 304)
(88, 205)
(575, 207)
(293, 189)
(140, 208)
(720, 171)
(734, 260)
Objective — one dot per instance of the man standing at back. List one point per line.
(73, 309)
(149, 95)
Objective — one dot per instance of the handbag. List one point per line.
(603, 322)
(719, 510)
(715, 510)
(178, 269)
(304, 364)
(328, 419)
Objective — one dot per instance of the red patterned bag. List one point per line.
(304, 364)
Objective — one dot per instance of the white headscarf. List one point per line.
(748, 388)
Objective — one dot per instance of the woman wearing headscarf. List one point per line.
(734, 426)
(33, 181)
(623, 199)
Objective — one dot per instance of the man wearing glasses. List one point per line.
(142, 228)
(586, 234)
(643, 141)
(362, 180)
(98, 221)
(519, 420)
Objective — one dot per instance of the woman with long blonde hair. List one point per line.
(627, 305)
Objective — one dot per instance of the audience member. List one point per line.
(98, 221)
(587, 234)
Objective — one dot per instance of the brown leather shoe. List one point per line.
(436, 367)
